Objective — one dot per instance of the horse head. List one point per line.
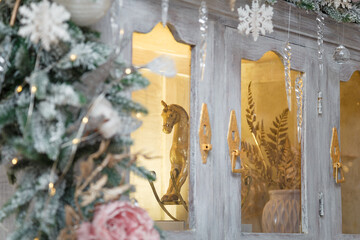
(170, 117)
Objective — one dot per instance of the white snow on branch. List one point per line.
(44, 22)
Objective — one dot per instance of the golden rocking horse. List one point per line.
(175, 117)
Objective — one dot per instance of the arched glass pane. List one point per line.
(270, 147)
(350, 153)
(169, 149)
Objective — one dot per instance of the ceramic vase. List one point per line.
(282, 213)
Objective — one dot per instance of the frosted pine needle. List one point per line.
(337, 3)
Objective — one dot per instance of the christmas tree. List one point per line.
(65, 119)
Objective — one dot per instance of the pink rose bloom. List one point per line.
(119, 221)
(85, 232)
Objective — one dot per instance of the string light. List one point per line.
(52, 189)
(121, 31)
(36, 238)
(128, 71)
(19, 89)
(73, 57)
(75, 141)
(139, 115)
(85, 120)
(33, 89)
(14, 161)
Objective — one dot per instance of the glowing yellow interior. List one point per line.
(350, 153)
(149, 138)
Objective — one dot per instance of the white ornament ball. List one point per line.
(341, 54)
(86, 12)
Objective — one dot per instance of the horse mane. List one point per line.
(180, 109)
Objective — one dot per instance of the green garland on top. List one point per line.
(340, 14)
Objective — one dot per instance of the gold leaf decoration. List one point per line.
(278, 168)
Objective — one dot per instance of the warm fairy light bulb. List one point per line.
(36, 238)
(139, 115)
(52, 189)
(19, 89)
(14, 161)
(128, 70)
(33, 89)
(75, 141)
(73, 57)
(85, 120)
(121, 32)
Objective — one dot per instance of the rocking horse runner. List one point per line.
(175, 117)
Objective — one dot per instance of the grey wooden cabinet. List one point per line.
(214, 198)
(214, 191)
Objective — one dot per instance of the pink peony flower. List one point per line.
(118, 221)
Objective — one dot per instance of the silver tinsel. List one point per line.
(203, 20)
(5, 50)
(320, 41)
(287, 65)
(164, 11)
(299, 85)
(232, 5)
(2, 71)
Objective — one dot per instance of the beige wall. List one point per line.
(350, 153)
(268, 88)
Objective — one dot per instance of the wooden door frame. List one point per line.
(336, 73)
(240, 47)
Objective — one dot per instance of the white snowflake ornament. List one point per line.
(44, 22)
(255, 20)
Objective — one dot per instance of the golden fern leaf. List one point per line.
(250, 112)
(277, 137)
(290, 167)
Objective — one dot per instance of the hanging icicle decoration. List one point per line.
(117, 25)
(320, 41)
(299, 85)
(164, 11)
(232, 5)
(287, 66)
(113, 23)
(203, 20)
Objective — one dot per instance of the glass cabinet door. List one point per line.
(271, 124)
(277, 167)
(164, 134)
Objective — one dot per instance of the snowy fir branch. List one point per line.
(340, 10)
(55, 107)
